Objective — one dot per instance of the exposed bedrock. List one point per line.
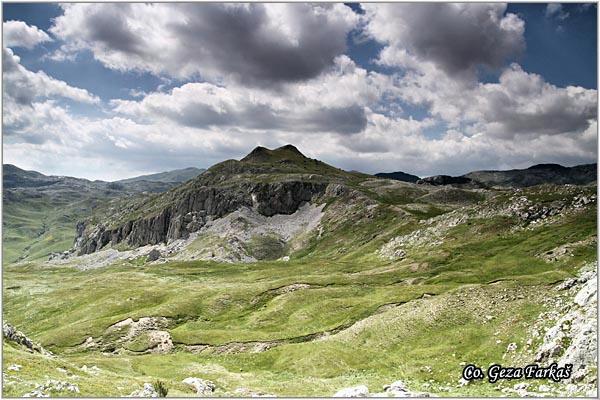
(190, 212)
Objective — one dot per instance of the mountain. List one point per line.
(15, 177)
(176, 175)
(270, 182)
(40, 211)
(519, 178)
(267, 273)
(398, 176)
(536, 175)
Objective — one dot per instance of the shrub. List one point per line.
(160, 388)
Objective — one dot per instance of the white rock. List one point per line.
(147, 391)
(586, 293)
(356, 391)
(15, 367)
(201, 386)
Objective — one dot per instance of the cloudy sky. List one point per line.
(108, 91)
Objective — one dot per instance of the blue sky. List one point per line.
(353, 90)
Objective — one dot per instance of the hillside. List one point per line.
(280, 274)
(176, 175)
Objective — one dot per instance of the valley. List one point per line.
(281, 275)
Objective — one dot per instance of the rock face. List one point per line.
(195, 208)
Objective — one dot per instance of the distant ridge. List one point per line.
(398, 176)
(534, 175)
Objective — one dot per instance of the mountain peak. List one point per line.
(262, 154)
(289, 147)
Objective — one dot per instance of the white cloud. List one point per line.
(257, 44)
(19, 34)
(334, 102)
(520, 104)
(24, 86)
(329, 107)
(457, 37)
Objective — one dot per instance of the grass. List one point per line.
(415, 319)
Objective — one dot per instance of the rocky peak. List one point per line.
(263, 155)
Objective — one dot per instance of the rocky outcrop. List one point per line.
(572, 339)
(52, 387)
(194, 208)
(14, 335)
(151, 331)
(201, 386)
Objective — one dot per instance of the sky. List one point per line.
(110, 91)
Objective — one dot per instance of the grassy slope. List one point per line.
(35, 227)
(217, 304)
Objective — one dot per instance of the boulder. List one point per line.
(146, 391)
(153, 255)
(202, 387)
(356, 391)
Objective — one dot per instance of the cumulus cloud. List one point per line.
(29, 102)
(19, 34)
(231, 56)
(524, 104)
(457, 37)
(256, 44)
(520, 104)
(24, 86)
(334, 102)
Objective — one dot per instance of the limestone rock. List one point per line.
(356, 391)
(146, 391)
(12, 334)
(202, 387)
